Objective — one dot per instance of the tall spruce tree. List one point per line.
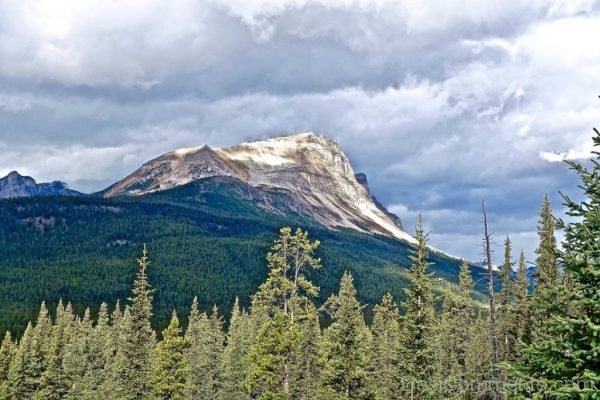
(420, 319)
(55, 381)
(281, 302)
(547, 273)
(136, 349)
(205, 353)
(7, 352)
(521, 306)
(99, 357)
(25, 368)
(170, 372)
(549, 295)
(455, 334)
(304, 368)
(564, 362)
(386, 352)
(234, 363)
(345, 359)
(31, 358)
(507, 324)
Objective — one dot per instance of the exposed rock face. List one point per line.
(16, 185)
(362, 179)
(314, 170)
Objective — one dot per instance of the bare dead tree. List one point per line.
(488, 259)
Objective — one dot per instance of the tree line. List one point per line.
(546, 340)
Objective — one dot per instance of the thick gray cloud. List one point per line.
(441, 103)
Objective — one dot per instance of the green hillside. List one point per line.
(207, 239)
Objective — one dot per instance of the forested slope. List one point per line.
(207, 239)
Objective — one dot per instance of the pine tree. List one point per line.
(345, 359)
(547, 274)
(455, 334)
(386, 348)
(549, 295)
(521, 305)
(55, 381)
(7, 352)
(507, 325)
(281, 301)
(234, 364)
(270, 356)
(98, 358)
(304, 368)
(112, 386)
(134, 358)
(25, 368)
(564, 363)
(77, 356)
(420, 319)
(170, 373)
(478, 360)
(205, 353)
(31, 358)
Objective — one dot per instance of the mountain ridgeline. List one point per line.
(208, 216)
(16, 185)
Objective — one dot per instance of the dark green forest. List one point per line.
(208, 239)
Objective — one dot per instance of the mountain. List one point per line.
(208, 217)
(16, 185)
(312, 170)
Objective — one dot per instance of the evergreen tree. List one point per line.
(205, 353)
(455, 334)
(31, 358)
(7, 352)
(521, 305)
(25, 368)
(478, 361)
(547, 273)
(234, 364)
(564, 362)
(281, 302)
(305, 371)
(112, 386)
(170, 373)
(99, 357)
(77, 355)
(55, 381)
(549, 295)
(345, 359)
(507, 325)
(420, 319)
(386, 349)
(134, 358)
(270, 356)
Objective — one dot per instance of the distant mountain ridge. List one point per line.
(17, 185)
(314, 170)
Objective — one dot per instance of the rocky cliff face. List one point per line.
(16, 185)
(313, 169)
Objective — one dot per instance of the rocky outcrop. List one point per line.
(16, 185)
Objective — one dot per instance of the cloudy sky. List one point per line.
(442, 103)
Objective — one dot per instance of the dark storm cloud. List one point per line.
(441, 103)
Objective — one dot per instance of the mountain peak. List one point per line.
(17, 185)
(313, 169)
